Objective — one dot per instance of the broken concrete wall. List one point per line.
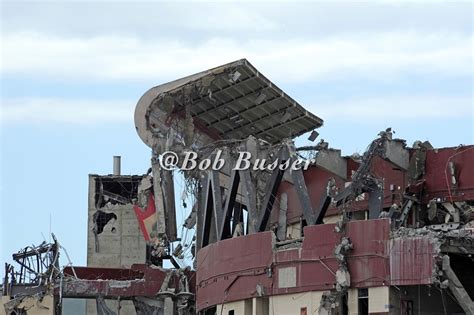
(119, 244)
(29, 305)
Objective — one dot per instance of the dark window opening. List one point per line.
(210, 311)
(101, 219)
(406, 307)
(231, 312)
(344, 305)
(363, 299)
(116, 190)
(303, 224)
(303, 311)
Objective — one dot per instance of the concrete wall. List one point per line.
(379, 300)
(382, 300)
(33, 305)
(353, 302)
(292, 303)
(121, 244)
(240, 308)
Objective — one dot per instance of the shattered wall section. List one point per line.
(114, 238)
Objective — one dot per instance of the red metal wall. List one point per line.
(230, 270)
(435, 183)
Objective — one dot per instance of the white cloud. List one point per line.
(89, 112)
(392, 108)
(82, 112)
(375, 55)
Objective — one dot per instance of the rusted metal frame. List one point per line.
(301, 189)
(280, 124)
(271, 190)
(224, 224)
(212, 207)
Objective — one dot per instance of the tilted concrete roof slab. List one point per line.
(232, 101)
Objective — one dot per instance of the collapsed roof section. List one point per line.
(232, 101)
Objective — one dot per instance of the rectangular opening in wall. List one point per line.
(303, 311)
(363, 299)
(406, 307)
(231, 312)
(116, 190)
(344, 305)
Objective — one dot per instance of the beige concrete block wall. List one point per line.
(243, 307)
(293, 231)
(126, 307)
(3, 300)
(353, 301)
(121, 245)
(332, 218)
(379, 299)
(292, 303)
(33, 305)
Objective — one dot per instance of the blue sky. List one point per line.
(72, 72)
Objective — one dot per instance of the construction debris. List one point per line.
(386, 232)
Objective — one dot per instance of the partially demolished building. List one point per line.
(388, 232)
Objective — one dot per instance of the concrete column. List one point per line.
(379, 299)
(352, 302)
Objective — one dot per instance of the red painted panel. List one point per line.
(411, 261)
(437, 186)
(316, 179)
(389, 174)
(139, 280)
(232, 269)
(319, 242)
(146, 214)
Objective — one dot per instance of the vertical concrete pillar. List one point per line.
(379, 300)
(352, 302)
(117, 165)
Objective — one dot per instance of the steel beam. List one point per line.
(271, 190)
(224, 224)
